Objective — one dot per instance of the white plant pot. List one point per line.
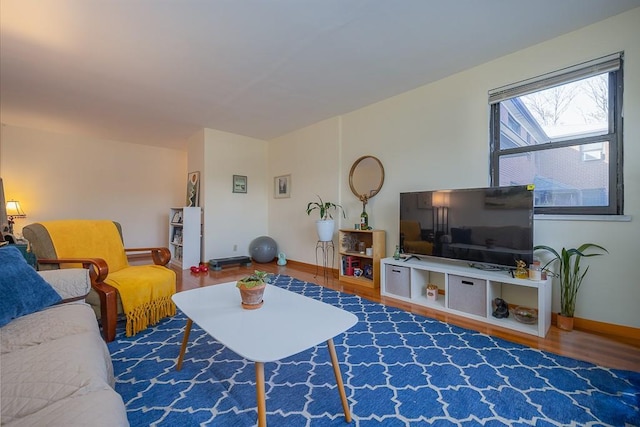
(325, 229)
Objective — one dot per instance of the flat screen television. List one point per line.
(490, 226)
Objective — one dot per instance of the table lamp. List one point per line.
(14, 210)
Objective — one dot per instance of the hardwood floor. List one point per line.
(602, 350)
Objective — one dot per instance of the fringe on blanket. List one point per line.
(149, 313)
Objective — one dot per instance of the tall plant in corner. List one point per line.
(570, 274)
(325, 225)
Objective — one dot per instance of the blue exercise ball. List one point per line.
(263, 249)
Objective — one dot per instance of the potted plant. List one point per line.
(252, 289)
(570, 275)
(325, 225)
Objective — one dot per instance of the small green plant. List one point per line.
(324, 208)
(257, 278)
(569, 272)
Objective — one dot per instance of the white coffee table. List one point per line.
(286, 324)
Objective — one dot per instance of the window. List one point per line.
(562, 132)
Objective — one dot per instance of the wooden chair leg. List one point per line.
(108, 314)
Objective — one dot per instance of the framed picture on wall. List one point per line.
(239, 184)
(193, 189)
(282, 186)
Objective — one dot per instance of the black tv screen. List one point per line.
(492, 225)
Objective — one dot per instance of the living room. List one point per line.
(137, 184)
(435, 136)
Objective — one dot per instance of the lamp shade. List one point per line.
(15, 210)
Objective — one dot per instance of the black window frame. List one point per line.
(613, 64)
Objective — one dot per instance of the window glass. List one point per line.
(561, 176)
(563, 134)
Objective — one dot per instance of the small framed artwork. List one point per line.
(282, 186)
(193, 189)
(424, 200)
(239, 184)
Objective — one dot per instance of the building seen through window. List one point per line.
(563, 134)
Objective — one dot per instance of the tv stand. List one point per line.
(467, 291)
(409, 258)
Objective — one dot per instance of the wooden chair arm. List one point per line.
(98, 268)
(98, 271)
(160, 256)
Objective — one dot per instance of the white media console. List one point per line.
(468, 291)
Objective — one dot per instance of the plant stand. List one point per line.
(328, 251)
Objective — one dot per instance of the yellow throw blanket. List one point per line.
(145, 290)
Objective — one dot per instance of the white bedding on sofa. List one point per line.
(56, 370)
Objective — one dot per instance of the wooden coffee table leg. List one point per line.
(185, 340)
(260, 397)
(336, 371)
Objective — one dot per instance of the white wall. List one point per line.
(232, 220)
(437, 136)
(312, 157)
(58, 176)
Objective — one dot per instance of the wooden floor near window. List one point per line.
(612, 352)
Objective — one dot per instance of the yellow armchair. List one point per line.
(142, 292)
(410, 235)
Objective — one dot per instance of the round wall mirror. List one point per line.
(366, 177)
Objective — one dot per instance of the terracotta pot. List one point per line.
(252, 297)
(565, 323)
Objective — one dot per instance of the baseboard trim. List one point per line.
(601, 328)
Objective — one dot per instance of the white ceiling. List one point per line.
(156, 71)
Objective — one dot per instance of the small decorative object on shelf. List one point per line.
(368, 272)
(252, 289)
(396, 254)
(432, 292)
(525, 315)
(364, 218)
(501, 310)
(521, 270)
(535, 271)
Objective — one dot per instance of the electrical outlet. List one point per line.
(235, 248)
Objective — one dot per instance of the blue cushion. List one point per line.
(22, 289)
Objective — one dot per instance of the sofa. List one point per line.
(56, 368)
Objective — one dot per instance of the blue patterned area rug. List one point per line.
(399, 369)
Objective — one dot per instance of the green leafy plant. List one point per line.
(257, 278)
(569, 272)
(324, 208)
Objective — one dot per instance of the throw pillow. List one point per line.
(22, 290)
